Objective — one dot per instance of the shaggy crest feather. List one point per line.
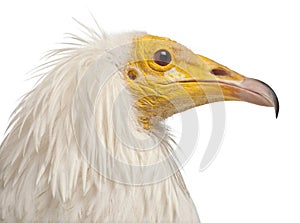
(49, 157)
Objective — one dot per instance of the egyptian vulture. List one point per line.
(88, 143)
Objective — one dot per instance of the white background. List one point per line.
(255, 177)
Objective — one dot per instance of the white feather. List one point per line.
(49, 175)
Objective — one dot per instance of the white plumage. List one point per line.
(51, 168)
(87, 144)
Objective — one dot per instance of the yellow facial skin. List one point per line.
(189, 80)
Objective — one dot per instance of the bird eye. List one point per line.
(162, 57)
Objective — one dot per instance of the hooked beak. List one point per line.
(237, 87)
(180, 79)
(256, 92)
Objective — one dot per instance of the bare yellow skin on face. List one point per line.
(186, 81)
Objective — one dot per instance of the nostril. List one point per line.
(220, 72)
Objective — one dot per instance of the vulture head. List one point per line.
(88, 143)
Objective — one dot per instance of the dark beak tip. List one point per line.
(277, 109)
(274, 97)
(276, 103)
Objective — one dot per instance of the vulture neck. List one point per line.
(75, 152)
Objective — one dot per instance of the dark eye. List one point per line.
(162, 57)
